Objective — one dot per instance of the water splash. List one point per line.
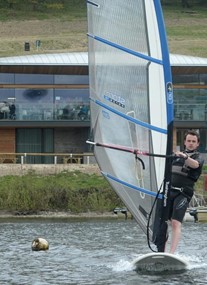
(194, 261)
(122, 265)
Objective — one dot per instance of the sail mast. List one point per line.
(162, 214)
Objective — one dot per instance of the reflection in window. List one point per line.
(34, 104)
(7, 104)
(72, 104)
(37, 104)
(44, 104)
(190, 104)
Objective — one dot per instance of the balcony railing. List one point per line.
(81, 112)
(54, 158)
(44, 112)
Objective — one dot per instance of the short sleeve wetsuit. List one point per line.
(182, 181)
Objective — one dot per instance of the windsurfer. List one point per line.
(186, 169)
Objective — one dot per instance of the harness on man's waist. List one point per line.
(182, 190)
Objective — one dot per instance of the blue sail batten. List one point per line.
(92, 3)
(127, 50)
(143, 124)
(145, 191)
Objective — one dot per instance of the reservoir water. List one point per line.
(91, 252)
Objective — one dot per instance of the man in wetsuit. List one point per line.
(186, 169)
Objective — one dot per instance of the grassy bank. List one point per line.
(73, 192)
(64, 28)
(186, 29)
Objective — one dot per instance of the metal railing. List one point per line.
(56, 158)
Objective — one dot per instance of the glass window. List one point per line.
(190, 95)
(6, 78)
(71, 79)
(202, 96)
(203, 79)
(189, 78)
(72, 104)
(34, 104)
(33, 79)
(7, 95)
(190, 104)
(7, 103)
(35, 141)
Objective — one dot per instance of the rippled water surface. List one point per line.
(91, 252)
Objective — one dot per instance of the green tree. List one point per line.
(11, 3)
(185, 4)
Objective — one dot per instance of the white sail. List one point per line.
(131, 103)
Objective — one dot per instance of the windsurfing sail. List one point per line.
(132, 106)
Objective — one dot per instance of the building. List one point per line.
(44, 103)
(189, 76)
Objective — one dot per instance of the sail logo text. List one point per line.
(106, 114)
(169, 93)
(116, 99)
(166, 193)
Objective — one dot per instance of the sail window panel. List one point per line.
(133, 137)
(133, 175)
(113, 12)
(158, 145)
(139, 197)
(139, 210)
(129, 86)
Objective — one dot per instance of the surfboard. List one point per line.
(159, 261)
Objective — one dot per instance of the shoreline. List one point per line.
(57, 215)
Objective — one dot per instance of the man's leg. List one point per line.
(176, 233)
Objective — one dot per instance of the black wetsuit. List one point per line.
(183, 180)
